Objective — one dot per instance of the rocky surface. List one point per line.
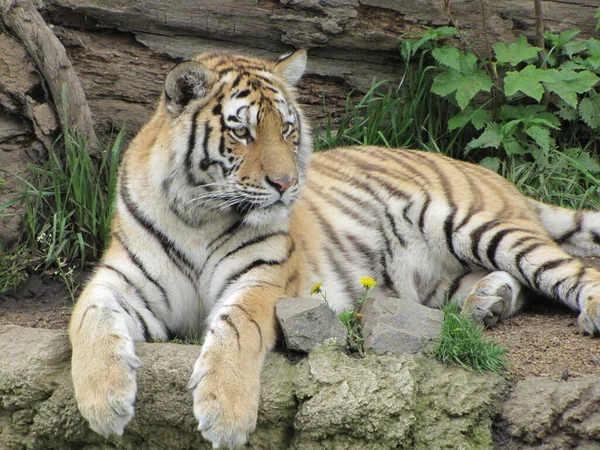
(541, 413)
(307, 323)
(326, 401)
(398, 326)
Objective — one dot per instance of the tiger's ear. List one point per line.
(291, 66)
(186, 82)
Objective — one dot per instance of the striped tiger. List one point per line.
(220, 212)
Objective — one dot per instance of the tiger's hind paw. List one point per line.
(589, 319)
(491, 299)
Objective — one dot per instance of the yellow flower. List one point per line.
(316, 289)
(359, 315)
(368, 282)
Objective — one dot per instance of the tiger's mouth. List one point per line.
(246, 206)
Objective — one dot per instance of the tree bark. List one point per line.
(22, 19)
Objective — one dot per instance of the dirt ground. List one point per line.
(542, 341)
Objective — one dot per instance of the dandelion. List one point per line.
(368, 282)
(316, 289)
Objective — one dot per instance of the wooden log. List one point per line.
(22, 19)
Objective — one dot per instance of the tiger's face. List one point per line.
(247, 146)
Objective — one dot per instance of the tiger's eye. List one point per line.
(286, 128)
(242, 132)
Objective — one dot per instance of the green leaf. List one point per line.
(448, 56)
(540, 135)
(490, 163)
(566, 111)
(465, 83)
(589, 108)
(576, 46)
(588, 162)
(528, 81)
(530, 114)
(491, 137)
(516, 52)
(597, 16)
(514, 147)
(568, 83)
(560, 40)
(478, 117)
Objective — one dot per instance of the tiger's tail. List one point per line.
(577, 232)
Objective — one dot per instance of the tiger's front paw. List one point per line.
(225, 400)
(104, 379)
(589, 319)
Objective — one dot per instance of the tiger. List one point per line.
(222, 209)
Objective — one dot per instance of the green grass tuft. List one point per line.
(462, 343)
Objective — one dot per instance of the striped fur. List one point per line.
(219, 214)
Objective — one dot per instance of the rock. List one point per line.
(308, 322)
(543, 413)
(398, 326)
(328, 400)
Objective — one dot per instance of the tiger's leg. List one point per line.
(533, 258)
(108, 317)
(225, 382)
(577, 232)
(488, 297)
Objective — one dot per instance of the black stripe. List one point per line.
(424, 208)
(569, 234)
(140, 265)
(405, 214)
(334, 202)
(387, 279)
(431, 294)
(398, 236)
(237, 80)
(577, 282)
(495, 242)
(136, 290)
(347, 280)
(253, 265)
(175, 255)
(545, 267)
(250, 319)
(455, 285)
(595, 237)
(225, 318)
(190, 150)
(126, 308)
(242, 94)
(521, 255)
(476, 234)
(255, 240)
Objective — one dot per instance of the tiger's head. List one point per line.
(240, 143)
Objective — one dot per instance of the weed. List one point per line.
(462, 343)
(68, 209)
(352, 319)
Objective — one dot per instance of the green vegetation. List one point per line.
(529, 113)
(351, 318)
(68, 203)
(462, 343)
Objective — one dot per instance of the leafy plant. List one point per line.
(351, 318)
(462, 343)
(520, 105)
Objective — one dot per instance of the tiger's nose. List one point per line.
(281, 184)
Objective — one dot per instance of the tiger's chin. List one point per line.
(262, 217)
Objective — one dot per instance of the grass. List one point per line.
(68, 210)
(462, 343)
